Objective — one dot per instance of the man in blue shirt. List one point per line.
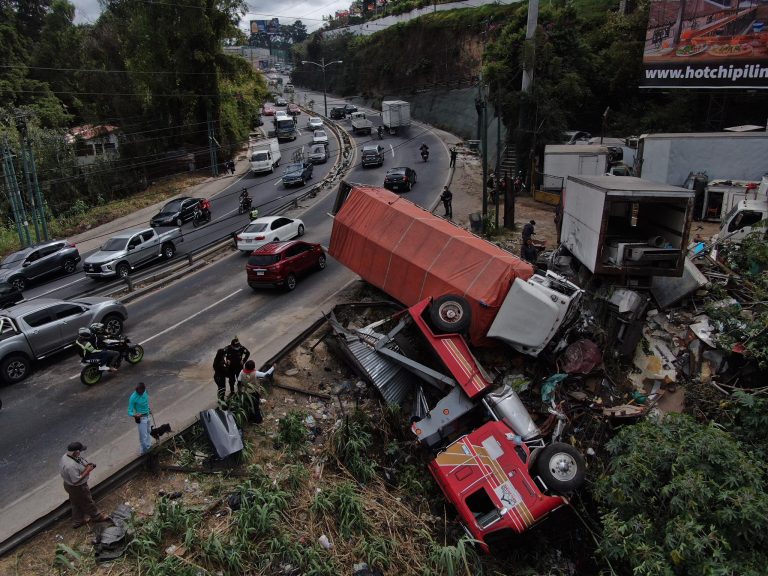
(138, 407)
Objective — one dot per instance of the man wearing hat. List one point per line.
(236, 355)
(74, 471)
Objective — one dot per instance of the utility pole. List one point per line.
(529, 59)
(33, 195)
(212, 145)
(497, 172)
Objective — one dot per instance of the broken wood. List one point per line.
(301, 391)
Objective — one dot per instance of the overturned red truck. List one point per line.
(491, 460)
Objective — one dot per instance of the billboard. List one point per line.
(265, 26)
(706, 44)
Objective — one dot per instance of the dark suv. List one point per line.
(373, 155)
(38, 261)
(175, 213)
(280, 263)
(402, 178)
(338, 113)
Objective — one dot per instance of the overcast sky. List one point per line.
(310, 12)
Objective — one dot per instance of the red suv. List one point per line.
(280, 263)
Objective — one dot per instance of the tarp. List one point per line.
(411, 254)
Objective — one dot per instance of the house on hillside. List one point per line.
(94, 142)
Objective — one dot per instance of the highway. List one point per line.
(180, 327)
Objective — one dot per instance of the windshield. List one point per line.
(263, 259)
(114, 244)
(293, 168)
(259, 156)
(285, 123)
(13, 258)
(319, 149)
(370, 151)
(319, 134)
(255, 227)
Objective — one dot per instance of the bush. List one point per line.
(681, 497)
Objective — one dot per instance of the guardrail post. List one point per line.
(234, 239)
(129, 283)
(189, 258)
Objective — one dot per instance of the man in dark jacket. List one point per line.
(447, 198)
(236, 354)
(528, 231)
(529, 252)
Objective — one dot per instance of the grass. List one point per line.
(81, 217)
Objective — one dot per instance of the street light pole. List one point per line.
(323, 65)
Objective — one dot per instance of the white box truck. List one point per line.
(622, 225)
(264, 156)
(672, 158)
(395, 115)
(745, 216)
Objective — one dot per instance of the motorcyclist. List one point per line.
(424, 150)
(92, 346)
(245, 200)
(380, 130)
(204, 206)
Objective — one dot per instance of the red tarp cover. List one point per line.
(411, 254)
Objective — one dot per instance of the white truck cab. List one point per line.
(747, 216)
(264, 156)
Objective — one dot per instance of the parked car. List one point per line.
(338, 113)
(315, 123)
(281, 263)
(401, 178)
(268, 229)
(281, 102)
(297, 173)
(373, 155)
(268, 110)
(9, 295)
(293, 109)
(318, 154)
(320, 137)
(38, 328)
(175, 213)
(38, 261)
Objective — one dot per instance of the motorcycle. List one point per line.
(201, 217)
(424, 155)
(245, 204)
(380, 132)
(94, 369)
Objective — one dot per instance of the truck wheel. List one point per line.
(15, 368)
(113, 324)
(69, 266)
(450, 314)
(123, 270)
(561, 467)
(168, 251)
(90, 375)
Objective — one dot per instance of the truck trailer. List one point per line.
(563, 160)
(673, 158)
(411, 254)
(622, 225)
(395, 115)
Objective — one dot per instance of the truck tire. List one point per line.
(561, 467)
(169, 250)
(15, 368)
(450, 314)
(123, 270)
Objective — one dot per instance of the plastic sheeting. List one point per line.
(411, 254)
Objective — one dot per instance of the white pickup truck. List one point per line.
(127, 251)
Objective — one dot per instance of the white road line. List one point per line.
(58, 288)
(181, 322)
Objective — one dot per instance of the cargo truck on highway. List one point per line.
(264, 156)
(395, 115)
(360, 124)
(411, 254)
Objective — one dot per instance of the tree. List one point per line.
(682, 497)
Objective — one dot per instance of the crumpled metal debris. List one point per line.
(581, 357)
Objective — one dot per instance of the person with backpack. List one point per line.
(236, 355)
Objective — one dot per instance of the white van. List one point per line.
(289, 88)
(264, 156)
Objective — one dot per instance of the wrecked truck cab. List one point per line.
(485, 476)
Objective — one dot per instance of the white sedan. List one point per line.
(315, 123)
(320, 137)
(268, 229)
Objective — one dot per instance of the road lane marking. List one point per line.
(58, 288)
(181, 322)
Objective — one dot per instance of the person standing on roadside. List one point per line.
(138, 408)
(528, 231)
(454, 153)
(236, 355)
(447, 198)
(220, 372)
(248, 383)
(75, 470)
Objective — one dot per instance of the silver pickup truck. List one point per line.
(127, 251)
(41, 327)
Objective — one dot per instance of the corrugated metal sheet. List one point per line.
(392, 380)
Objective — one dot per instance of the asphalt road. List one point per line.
(180, 327)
